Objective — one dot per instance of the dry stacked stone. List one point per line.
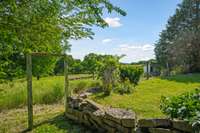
(102, 119)
(115, 120)
(163, 126)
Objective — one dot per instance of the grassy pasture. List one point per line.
(47, 90)
(49, 118)
(145, 99)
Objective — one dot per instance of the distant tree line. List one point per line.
(90, 64)
(45, 26)
(178, 48)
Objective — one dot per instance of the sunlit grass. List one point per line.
(47, 90)
(145, 99)
(47, 119)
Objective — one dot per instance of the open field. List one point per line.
(49, 118)
(47, 90)
(145, 99)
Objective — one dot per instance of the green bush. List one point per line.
(109, 73)
(80, 87)
(95, 84)
(131, 73)
(185, 106)
(124, 88)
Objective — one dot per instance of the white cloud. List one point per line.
(107, 40)
(136, 52)
(113, 22)
(145, 47)
(148, 47)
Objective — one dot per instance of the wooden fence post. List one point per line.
(148, 70)
(66, 86)
(29, 90)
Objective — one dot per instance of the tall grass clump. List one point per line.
(49, 95)
(47, 90)
(80, 86)
(12, 96)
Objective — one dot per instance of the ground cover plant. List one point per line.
(185, 106)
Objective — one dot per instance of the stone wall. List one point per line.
(103, 119)
(115, 120)
(163, 126)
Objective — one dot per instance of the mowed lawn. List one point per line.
(145, 100)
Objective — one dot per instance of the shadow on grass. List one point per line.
(61, 123)
(186, 78)
(100, 96)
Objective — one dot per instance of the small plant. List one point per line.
(125, 87)
(80, 87)
(185, 107)
(95, 84)
(129, 78)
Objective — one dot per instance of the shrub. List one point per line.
(109, 73)
(124, 88)
(131, 73)
(95, 84)
(185, 106)
(80, 87)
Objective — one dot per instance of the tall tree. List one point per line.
(45, 25)
(90, 63)
(179, 42)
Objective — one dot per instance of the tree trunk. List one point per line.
(168, 69)
(38, 77)
(147, 70)
(93, 76)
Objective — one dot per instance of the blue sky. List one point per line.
(133, 35)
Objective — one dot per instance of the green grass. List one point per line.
(145, 99)
(47, 90)
(47, 119)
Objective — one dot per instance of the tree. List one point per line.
(43, 66)
(59, 67)
(45, 26)
(26, 25)
(90, 63)
(179, 42)
(109, 72)
(76, 67)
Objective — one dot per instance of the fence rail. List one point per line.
(79, 78)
